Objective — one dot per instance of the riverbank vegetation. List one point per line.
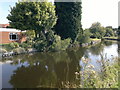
(78, 70)
(104, 77)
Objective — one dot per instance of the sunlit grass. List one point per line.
(95, 39)
(111, 37)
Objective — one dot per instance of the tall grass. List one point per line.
(91, 77)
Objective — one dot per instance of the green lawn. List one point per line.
(111, 37)
(95, 39)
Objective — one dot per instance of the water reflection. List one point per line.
(48, 69)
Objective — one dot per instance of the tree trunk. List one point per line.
(35, 34)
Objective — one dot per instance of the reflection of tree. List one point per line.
(119, 48)
(32, 76)
(46, 69)
(97, 49)
(107, 43)
(67, 71)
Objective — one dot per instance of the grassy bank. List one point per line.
(95, 39)
(111, 37)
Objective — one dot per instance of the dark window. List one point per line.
(13, 36)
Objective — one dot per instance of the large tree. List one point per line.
(69, 19)
(97, 30)
(109, 32)
(38, 16)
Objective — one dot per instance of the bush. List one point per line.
(97, 30)
(14, 45)
(26, 45)
(19, 50)
(59, 44)
(50, 41)
(56, 44)
(30, 34)
(3, 50)
(109, 32)
(41, 45)
(85, 38)
(105, 77)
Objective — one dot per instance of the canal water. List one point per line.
(52, 69)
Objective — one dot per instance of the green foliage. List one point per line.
(3, 50)
(41, 45)
(109, 32)
(32, 16)
(97, 30)
(59, 44)
(14, 45)
(29, 34)
(69, 19)
(106, 78)
(54, 44)
(26, 45)
(90, 77)
(84, 38)
(44, 41)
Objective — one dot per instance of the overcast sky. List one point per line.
(103, 11)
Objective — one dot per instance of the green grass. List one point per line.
(111, 37)
(4, 44)
(95, 39)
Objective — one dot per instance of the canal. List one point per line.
(52, 69)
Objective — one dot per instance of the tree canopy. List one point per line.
(69, 19)
(97, 30)
(109, 32)
(33, 16)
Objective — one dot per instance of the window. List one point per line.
(13, 36)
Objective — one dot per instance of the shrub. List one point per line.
(105, 77)
(50, 41)
(14, 45)
(59, 44)
(65, 43)
(19, 50)
(24, 45)
(3, 50)
(97, 30)
(109, 32)
(41, 45)
(84, 38)
(30, 34)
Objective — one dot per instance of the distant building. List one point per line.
(8, 35)
(4, 25)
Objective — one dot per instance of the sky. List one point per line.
(103, 11)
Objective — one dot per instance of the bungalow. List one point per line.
(8, 35)
(4, 25)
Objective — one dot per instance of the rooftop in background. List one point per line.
(9, 30)
(4, 25)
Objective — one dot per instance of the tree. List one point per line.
(118, 31)
(38, 16)
(85, 37)
(109, 32)
(69, 19)
(97, 30)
